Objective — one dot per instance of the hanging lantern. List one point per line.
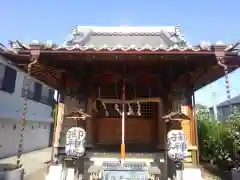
(177, 145)
(75, 140)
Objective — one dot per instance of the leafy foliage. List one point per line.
(219, 141)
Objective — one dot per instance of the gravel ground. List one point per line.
(37, 175)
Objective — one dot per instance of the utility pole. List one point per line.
(214, 103)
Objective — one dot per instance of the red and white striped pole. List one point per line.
(123, 153)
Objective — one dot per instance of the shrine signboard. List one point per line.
(126, 171)
(125, 175)
(75, 140)
(177, 145)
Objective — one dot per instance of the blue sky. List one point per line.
(210, 20)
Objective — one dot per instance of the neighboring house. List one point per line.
(200, 106)
(223, 109)
(38, 125)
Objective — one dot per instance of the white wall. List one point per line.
(36, 136)
(11, 105)
(38, 116)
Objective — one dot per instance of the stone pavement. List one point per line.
(33, 163)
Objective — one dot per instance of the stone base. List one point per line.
(11, 172)
(192, 173)
(235, 174)
(55, 172)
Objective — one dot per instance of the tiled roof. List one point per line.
(126, 36)
(17, 45)
(122, 38)
(117, 38)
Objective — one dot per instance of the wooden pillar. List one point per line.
(54, 127)
(186, 109)
(89, 109)
(167, 108)
(89, 122)
(193, 126)
(166, 80)
(194, 131)
(59, 120)
(160, 126)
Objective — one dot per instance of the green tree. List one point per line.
(215, 140)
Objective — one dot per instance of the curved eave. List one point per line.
(51, 76)
(16, 58)
(211, 76)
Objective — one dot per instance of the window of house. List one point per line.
(8, 77)
(2, 75)
(45, 94)
(238, 107)
(220, 114)
(51, 97)
(225, 112)
(36, 91)
(235, 108)
(31, 87)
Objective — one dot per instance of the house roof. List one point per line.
(234, 100)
